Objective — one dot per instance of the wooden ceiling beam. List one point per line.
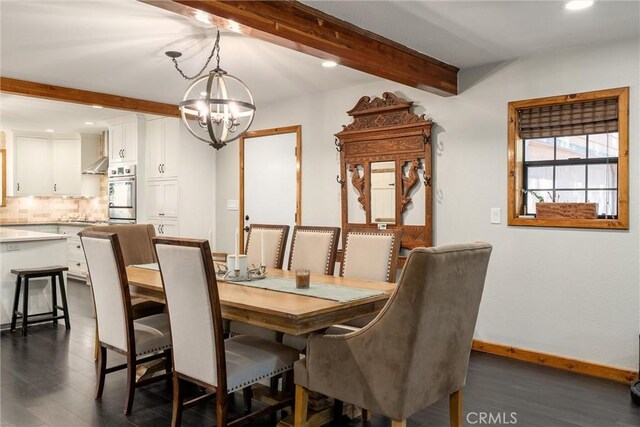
(79, 96)
(302, 28)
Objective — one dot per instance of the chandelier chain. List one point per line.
(216, 49)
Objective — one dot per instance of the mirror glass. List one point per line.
(3, 177)
(383, 192)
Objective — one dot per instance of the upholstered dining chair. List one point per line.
(137, 248)
(201, 355)
(140, 340)
(416, 351)
(314, 248)
(275, 242)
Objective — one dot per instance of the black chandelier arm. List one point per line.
(216, 48)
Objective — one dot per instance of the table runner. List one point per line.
(341, 294)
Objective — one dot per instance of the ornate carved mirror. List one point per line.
(385, 169)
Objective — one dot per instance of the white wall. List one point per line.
(562, 291)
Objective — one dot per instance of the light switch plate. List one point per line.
(13, 247)
(495, 215)
(232, 205)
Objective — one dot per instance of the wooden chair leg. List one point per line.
(168, 362)
(131, 383)
(395, 423)
(54, 298)
(96, 342)
(366, 416)
(16, 299)
(247, 395)
(25, 306)
(455, 408)
(221, 408)
(178, 398)
(338, 409)
(101, 370)
(302, 402)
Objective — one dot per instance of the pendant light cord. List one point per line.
(216, 50)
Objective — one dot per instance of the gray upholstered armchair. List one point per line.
(416, 351)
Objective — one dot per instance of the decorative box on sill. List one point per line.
(546, 210)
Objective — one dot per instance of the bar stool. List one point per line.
(32, 273)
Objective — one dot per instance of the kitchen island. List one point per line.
(28, 249)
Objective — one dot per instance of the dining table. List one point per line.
(289, 313)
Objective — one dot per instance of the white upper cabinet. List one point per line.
(162, 148)
(33, 166)
(123, 141)
(45, 166)
(66, 167)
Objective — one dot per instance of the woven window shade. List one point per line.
(579, 118)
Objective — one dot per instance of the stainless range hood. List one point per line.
(100, 166)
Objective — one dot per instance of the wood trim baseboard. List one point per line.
(583, 367)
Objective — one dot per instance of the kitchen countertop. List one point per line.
(70, 223)
(9, 235)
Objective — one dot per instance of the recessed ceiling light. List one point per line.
(97, 106)
(88, 123)
(49, 130)
(578, 4)
(329, 64)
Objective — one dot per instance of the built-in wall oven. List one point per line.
(122, 194)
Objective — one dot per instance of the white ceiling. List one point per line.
(117, 46)
(471, 33)
(34, 114)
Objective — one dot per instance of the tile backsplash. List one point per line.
(44, 209)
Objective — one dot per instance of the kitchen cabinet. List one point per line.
(33, 166)
(162, 148)
(75, 255)
(165, 227)
(66, 167)
(123, 141)
(46, 165)
(162, 199)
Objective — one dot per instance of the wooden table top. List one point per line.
(290, 313)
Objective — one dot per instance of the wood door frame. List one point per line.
(297, 129)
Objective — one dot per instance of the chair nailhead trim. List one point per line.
(155, 350)
(326, 265)
(364, 233)
(255, 380)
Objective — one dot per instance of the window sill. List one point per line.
(610, 224)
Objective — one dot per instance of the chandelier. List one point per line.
(217, 108)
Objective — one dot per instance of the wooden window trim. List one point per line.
(514, 167)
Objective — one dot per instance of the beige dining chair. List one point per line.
(415, 352)
(140, 340)
(314, 248)
(201, 355)
(275, 242)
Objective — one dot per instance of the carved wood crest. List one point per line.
(408, 182)
(382, 112)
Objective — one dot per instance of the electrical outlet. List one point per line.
(13, 247)
(232, 205)
(495, 215)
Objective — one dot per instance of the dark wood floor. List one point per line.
(48, 379)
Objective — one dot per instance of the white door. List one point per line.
(116, 139)
(170, 129)
(169, 228)
(66, 167)
(270, 181)
(33, 167)
(154, 148)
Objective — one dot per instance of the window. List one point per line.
(570, 153)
